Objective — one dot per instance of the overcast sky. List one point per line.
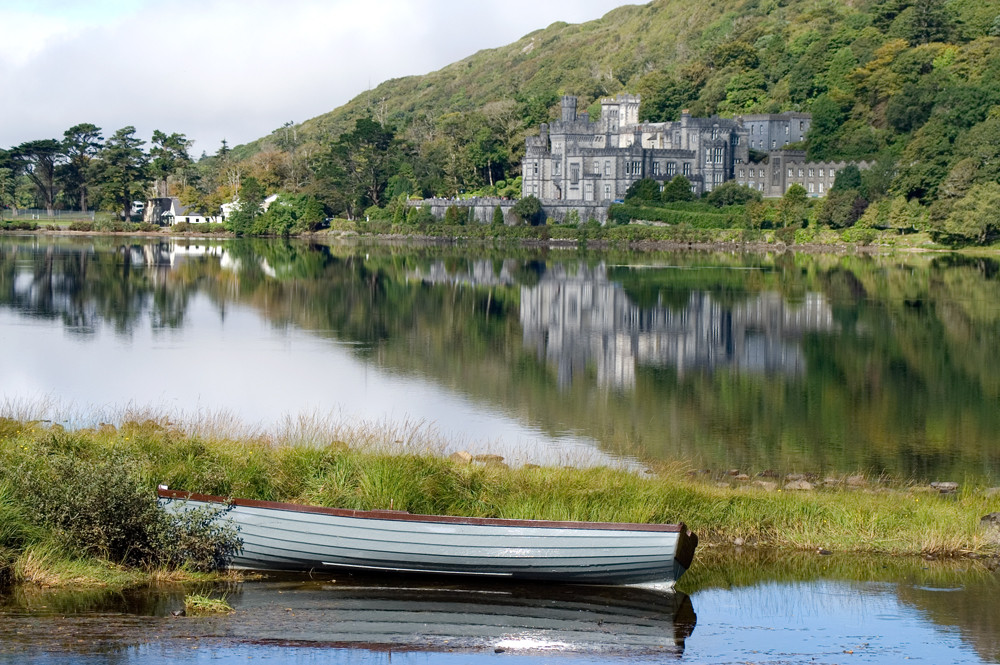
(233, 69)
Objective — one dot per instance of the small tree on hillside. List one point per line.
(529, 210)
(6, 189)
(678, 189)
(248, 209)
(848, 177)
(732, 193)
(498, 216)
(642, 191)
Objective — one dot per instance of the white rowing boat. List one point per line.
(285, 536)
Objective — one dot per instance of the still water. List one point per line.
(795, 363)
(744, 611)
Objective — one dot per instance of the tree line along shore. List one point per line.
(78, 507)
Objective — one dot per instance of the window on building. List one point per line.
(812, 173)
(742, 173)
(716, 178)
(607, 192)
(656, 168)
(607, 167)
(820, 188)
(787, 129)
(671, 169)
(833, 172)
(763, 173)
(597, 167)
(534, 167)
(753, 130)
(821, 173)
(791, 172)
(633, 168)
(686, 169)
(802, 125)
(717, 155)
(774, 143)
(802, 173)
(574, 174)
(752, 184)
(736, 139)
(555, 168)
(715, 133)
(812, 188)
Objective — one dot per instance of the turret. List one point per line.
(568, 108)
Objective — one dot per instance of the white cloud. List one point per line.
(235, 69)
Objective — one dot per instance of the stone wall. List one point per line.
(482, 209)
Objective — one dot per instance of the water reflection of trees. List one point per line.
(957, 594)
(791, 361)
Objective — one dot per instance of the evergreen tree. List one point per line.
(124, 168)
(678, 189)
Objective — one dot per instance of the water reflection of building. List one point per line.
(579, 319)
(482, 272)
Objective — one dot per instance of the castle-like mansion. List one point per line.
(576, 164)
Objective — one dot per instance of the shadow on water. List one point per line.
(355, 613)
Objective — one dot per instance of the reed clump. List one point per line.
(359, 470)
(197, 605)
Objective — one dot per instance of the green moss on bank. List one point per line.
(361, 473)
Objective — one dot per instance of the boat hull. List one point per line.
(292, 537)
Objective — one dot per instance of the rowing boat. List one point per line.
(289, 537)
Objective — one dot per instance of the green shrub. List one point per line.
(81, 226)
(103, 508)
(624, 213)
(19, 226)
(859, 235)
(529, 211)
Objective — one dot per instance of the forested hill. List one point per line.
(724, 56)
(910, 84)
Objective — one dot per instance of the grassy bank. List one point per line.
(641, 235)
(355, 468)
(635, 236)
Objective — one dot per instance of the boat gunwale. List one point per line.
(403, 516)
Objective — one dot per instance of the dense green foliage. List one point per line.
(905, 85)
(908, 86)
(95, 503)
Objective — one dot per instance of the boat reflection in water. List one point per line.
(416, 616)
(349, 614)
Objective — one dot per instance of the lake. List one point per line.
(826, 364)
(740, 608)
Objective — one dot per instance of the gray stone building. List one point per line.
(773, 131)
(574, 164)
(785, 168)
(576, 161)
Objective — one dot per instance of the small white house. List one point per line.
(172, 211)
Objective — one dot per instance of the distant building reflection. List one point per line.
(580, 318)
